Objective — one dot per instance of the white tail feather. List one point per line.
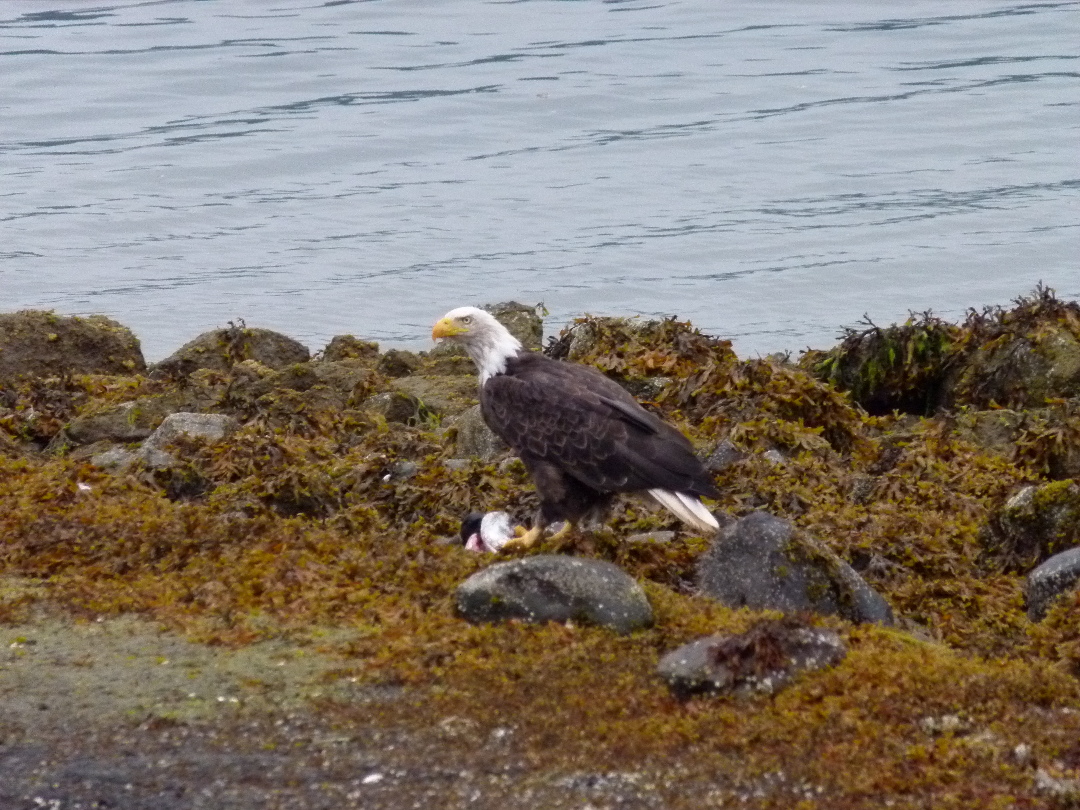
(686, 508)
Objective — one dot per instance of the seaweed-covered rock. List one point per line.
(1019, 358)
(473, 438)
(347, 382)
(761, 562)
(1050, 580)
(896, 368)
(43, 344)
(398, 363)
(441, 396)
(760, 661)
(347, 347)
(546, 588)
(222, 348)
(1033, 525)
(395, 406)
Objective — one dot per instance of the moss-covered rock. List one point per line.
(1021, 357)
(896, 368)
(221, 349)
(43, 344)
(1034, 524)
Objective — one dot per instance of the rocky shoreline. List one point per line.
(907, 500)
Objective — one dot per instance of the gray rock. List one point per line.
(1034, 524)
(651, 537)
(43, 344)
(760, 661)
(210, 426)
(115, 459)
(761, 562)
(220, 349)
(1050, 580)
(474, 439)
(547, 588)
(723, 456)
(454, 464)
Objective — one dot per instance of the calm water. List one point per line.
(770, 170)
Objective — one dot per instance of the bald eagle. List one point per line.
(581, 436)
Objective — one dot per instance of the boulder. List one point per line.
(394, 406)
(473, 438)
(440, 396)
(760, 661)
(763, 563)
(347, 347)
(557, 588)
(43, 344)
(398, 363)
(348, 382)
(1033, 525)
(213, 427)
(1020, 370)
(1056, 576)
(220, 349)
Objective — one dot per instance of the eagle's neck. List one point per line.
(491, 350)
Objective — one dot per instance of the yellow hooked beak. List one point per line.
(446, 328)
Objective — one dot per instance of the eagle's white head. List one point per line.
(487, 341)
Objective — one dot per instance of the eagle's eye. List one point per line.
(466, 319)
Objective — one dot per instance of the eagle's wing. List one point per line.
(577, 419)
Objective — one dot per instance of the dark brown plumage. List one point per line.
(581, 436)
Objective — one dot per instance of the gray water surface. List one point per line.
(771, 170)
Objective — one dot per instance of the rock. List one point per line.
(128, 422)
(220, 349)
(1033, 525)
(213, 427)
(347, 347)
(1044, 438)
(43, 344)
(523, 321)
(903, 367)
(473, 438)
(455, 464)
(1022, 370)
(348, 382)
(210, 426)
(402, 470)
(650, 537)
(394, 406)
(440, 396)
(760, 661)
(556, 588)
(398, 363)
(761, 562)
(723, 456)
(1056, 576)
(115, 459)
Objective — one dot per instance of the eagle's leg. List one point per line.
(567, 527)
(526, 540)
